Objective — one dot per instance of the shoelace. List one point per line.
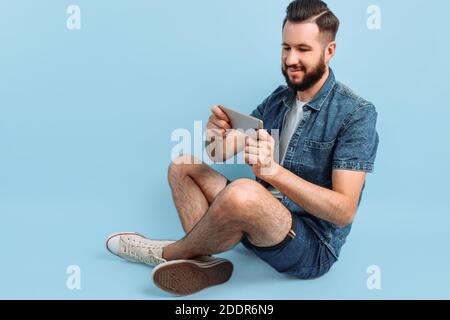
(142, 252)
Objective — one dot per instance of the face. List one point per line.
(304, 57)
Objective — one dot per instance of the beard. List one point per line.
(310, 78)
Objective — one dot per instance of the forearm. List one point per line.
(321, 202)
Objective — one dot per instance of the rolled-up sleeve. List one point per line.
(357, 142)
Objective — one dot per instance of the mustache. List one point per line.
(294, 68)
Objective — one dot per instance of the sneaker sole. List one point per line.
(185, 277)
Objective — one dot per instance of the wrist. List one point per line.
(271, 173)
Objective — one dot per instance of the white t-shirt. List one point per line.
(291, 122)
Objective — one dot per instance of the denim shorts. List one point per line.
(301, 254)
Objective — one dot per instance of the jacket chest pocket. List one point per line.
(315, 160)
(317, 154)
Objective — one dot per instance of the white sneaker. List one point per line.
(134, 247)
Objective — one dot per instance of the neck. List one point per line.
(309, 94)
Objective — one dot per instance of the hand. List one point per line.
(218, 123)
(259, 151)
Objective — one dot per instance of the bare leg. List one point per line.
(244, 206)
(194, 187)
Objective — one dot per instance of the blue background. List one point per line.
(86, 118)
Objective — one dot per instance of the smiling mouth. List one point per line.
(292, 70)
(295, 72)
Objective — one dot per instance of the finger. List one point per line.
(211, 125)
(265, 145)
(251, 142)
(258, 159)
(257, 151)
(251, 159)
(263, 135)
(252, 133)
(219, 113)
(220, 123)
(216, 133)
(252, 150)
(212, 129)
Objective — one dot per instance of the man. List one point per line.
(298, 213)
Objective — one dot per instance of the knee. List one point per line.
(241, 194)
(180, 166)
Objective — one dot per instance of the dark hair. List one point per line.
(314, 11)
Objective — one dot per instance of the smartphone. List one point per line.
(242, 121)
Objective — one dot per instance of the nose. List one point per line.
(292, 58)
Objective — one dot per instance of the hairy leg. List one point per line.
(244, 206)
(194, 186)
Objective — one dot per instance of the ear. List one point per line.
(330, 50)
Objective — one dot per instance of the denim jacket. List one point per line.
(338, 131)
